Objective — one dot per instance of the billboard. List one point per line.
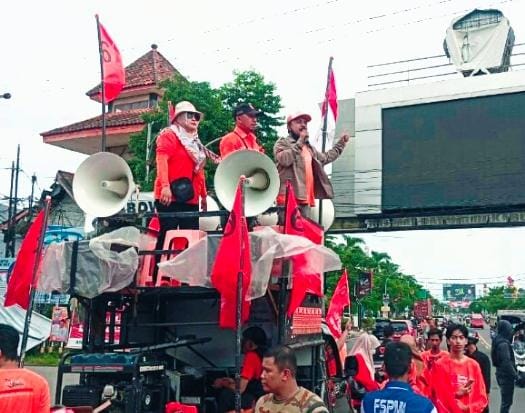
(457, 154)
(459, 292)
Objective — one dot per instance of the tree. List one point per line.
(250, 87)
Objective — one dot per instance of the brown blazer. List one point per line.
(290, 164)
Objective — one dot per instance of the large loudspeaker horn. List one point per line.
(328, 213)
(262, 181)
(102, 185)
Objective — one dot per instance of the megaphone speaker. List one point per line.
(262, 181)
(102, 185)
(328, 213)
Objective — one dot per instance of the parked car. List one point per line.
(381, 323)
(477, 321)
(473, 333)
(402, 327)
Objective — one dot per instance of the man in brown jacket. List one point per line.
(301, 164)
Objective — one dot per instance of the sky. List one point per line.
(50, 59)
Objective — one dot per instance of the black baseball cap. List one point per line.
(245, 109)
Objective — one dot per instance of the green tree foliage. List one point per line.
(403, 289)
(251, 87)
(217, 106)
(499, 298)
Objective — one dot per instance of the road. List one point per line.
(494, 397)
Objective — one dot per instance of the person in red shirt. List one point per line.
(21, 390)
(253, 346)
(180, 181)
(418, 373)
(434, 353)
(457, 381)
(242, 136)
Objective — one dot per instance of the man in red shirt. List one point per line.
(242, 136)
(434, 353)
(457, 381)
(21, 390)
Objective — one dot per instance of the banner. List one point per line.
(59, 325)
(364, 283)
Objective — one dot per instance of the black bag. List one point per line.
(357, 390)
(182, 190)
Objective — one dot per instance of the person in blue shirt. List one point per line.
(397, 396)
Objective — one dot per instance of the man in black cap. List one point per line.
(483, 360)
(242, 136)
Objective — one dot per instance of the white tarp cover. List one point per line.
(192, 265)
(99, 268)
(15, 316)
(477, 48)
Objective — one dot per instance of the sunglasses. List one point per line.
(193, 115)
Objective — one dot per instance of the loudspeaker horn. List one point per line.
(328, 213)
(103, 184)
(262, 181)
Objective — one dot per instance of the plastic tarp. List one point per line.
(15, 316)
(100, 267)
(478, 48)
(192, 266)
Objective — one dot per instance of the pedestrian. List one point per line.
(397, 396)
(456, 379)
(21, 390)
(301, 164)
(243, 135)
(418, 374)
(502, 356)
(279, 381)
(483, 361)
(434, 353)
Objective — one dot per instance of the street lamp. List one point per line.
(6, 96)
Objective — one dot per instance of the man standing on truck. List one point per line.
(502, 356)
(279, 380)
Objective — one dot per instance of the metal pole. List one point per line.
(15, 201)
(238, 321)
(148, 149)
(103, 96)
(10, 214)
(324, 131)
(32, 287)
(33, 181)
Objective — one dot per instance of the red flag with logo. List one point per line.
(234, 247)
(340, 300)
(330, 97)
(304, 279)
(21, 277)
(114, 74)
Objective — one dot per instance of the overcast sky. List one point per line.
(50, 59)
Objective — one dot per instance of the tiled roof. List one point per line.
(114, 119)
(147, 70)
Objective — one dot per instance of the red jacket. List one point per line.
(173, 162)
(238, 140)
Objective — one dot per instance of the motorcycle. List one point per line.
(519, 356)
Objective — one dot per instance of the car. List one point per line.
(477, 321)
(473, 333)
(381, 323)
(402, 327)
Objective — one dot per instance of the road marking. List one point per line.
(484, 342)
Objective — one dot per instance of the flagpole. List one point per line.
(283, 278)
(101, 55)
(325, 126)
(238, 321)
(32, 287)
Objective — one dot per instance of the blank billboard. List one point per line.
(455, 154)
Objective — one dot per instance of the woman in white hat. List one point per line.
(180, 181)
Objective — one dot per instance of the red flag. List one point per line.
(304, 280)
(112, 68)
(331, 97)
(20, 280)
(234, 246)
(340, 300)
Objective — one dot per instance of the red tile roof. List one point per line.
(148, 70)
(125, 118)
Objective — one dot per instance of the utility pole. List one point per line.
(15, 201)
(33, 182)
(7, 236)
